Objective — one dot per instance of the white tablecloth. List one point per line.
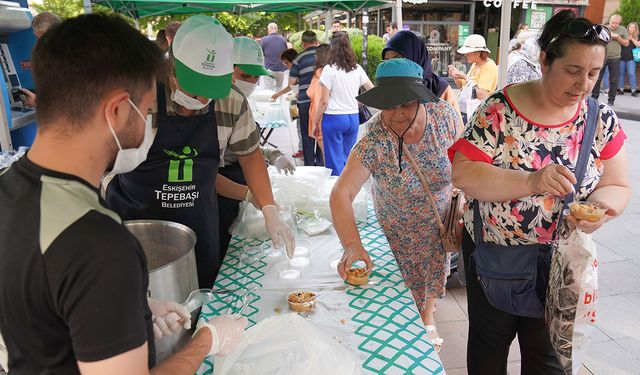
(379, 322)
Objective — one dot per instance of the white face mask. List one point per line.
(129, 159)
(247, 88)
(186, 101)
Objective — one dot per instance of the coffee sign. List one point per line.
(526, 4)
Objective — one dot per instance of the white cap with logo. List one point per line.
(248, 55)
(202, 49)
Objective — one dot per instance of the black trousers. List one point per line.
(491, 332)
(228, 208)
(312, 154)
(614, 75)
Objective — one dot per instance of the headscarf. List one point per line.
(530, 53)
(411, 47)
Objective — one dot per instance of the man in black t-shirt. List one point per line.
(73, 280)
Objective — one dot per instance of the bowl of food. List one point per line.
(302, 300)
(358, 276)
(589, 211)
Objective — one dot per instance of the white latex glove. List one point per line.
(278, 229)
(226, 333)
(168, 317)
(283, 163)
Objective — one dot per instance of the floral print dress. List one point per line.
(500, 135)
(401, 204)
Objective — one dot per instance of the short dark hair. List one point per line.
(161, 40)
(172, 28)
(555, 28)
(394, 25)
(336, 21)
(309, 37)
(79, 62)
(43, 22)
(289, 54)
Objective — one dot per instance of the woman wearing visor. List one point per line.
(517, 159)
(410, 116)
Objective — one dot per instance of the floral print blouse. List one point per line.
(499, 134)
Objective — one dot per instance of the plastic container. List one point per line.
(358, 276)
(589, 211)
(287, 271)
(302, 300)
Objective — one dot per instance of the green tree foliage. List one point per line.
(252, 24)
(629, 10)
(63, 8)
(375, 44)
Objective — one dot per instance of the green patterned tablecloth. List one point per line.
(384, 327)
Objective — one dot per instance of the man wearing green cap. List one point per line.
(200, 116)
(248, 60)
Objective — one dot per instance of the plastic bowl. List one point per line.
(589, 211)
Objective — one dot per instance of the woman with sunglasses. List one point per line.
(517, 159)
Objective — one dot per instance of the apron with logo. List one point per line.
(177, 183)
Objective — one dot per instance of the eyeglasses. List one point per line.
(580, 29)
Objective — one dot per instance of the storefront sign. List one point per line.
(526, 4)
(463, 33)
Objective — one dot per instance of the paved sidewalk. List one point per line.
(615, 346)
(626, 106)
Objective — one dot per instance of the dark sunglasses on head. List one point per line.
(580, 29)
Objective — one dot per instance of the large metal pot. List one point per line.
(169, 248)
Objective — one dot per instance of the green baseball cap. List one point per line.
(248, 56)
(202, 50)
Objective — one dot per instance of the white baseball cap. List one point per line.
(248, 56)
(473, 43)
(202, 50)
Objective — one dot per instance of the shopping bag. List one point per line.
(571, 299)
(288, 344)
(466, 100)
(636, 54)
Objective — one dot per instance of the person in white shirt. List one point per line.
(337, 109)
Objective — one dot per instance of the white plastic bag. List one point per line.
(571, 299)
(250, 222)
(288, 344)
(465, 99)
(4, 355)
(309, 189)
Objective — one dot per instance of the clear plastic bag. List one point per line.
(571, 299)
(250, 221)
(288, 344)
(8, 158)
(309, 189)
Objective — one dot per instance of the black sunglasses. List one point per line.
(580, 29)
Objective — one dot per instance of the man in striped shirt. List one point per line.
(301, 74)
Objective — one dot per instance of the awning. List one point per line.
(148, 8)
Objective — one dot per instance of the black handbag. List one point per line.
(363, 114)
(515, 278)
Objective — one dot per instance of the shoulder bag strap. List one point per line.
(585, 150)
(425, 186)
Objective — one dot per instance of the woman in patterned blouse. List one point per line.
(517, 158)
(411, 115)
